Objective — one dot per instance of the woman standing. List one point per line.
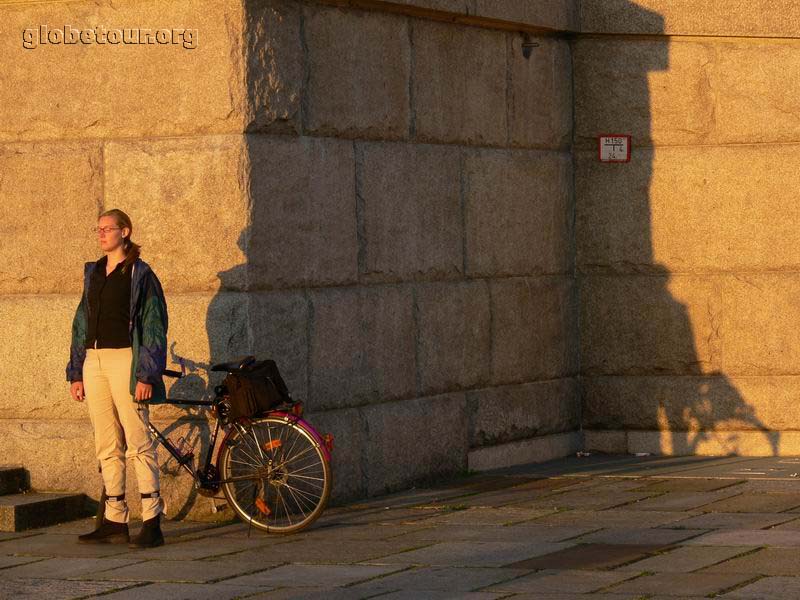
(117, 357)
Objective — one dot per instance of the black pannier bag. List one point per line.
(255, 389)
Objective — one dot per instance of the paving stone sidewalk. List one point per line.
(598, 526)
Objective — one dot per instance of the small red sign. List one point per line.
(614, 148)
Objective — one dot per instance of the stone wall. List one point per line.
(377, 195)
(687, 256)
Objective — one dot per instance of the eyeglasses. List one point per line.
(104, 230)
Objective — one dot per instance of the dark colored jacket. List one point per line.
(147, 329)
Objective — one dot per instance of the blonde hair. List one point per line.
(132, 249)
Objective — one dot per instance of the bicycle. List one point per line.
(273, 468)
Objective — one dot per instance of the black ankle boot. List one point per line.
(150, 536)
(108, 532)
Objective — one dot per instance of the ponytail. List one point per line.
(132, 252)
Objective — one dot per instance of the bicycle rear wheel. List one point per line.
(281, 480)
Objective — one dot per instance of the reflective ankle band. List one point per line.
(115, 498)
(155, 494)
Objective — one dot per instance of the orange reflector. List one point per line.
(328, 439)
(297, 409)
(262, 506)
(272, 445)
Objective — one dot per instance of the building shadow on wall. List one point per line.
(663, 387)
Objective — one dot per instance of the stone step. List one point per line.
(13, 479)
(40, 509)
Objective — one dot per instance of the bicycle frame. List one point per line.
(325, 442)
(172, 450)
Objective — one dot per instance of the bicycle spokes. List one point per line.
(275, 474)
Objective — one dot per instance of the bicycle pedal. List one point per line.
(262, 506)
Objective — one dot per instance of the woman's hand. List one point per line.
(144, 391)
(76, 391)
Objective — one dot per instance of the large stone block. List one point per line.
(362, 346)
(658, 92)
(64, 450)
(648, 325)
(454, 339)
(359, 68)
(700, 209)
(220, 325)
(540, 94)
(778, 18)
(279, 330)
(755, 100)
(349, 459)
(534, 329)
(759, 320)
(50, 196)
(274, 65)
(449, 103)
(34, 351)
(614, 208)
(184, 84)
(415, 440)
(504, 414)
(701, 405)
(518, 212)
(171, 189)
(208, 328)
(203, 329)
(411, 213)
(303, 226)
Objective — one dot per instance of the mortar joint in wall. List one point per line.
(304, 91)
(412, 111)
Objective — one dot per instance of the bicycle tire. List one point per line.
(291, 476)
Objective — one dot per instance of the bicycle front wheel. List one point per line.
(275, 475)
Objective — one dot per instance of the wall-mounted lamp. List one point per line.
(528, 45)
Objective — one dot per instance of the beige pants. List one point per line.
(119, 431)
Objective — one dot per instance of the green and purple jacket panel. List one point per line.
(147, 329)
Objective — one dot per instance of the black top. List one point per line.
(109, 307)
